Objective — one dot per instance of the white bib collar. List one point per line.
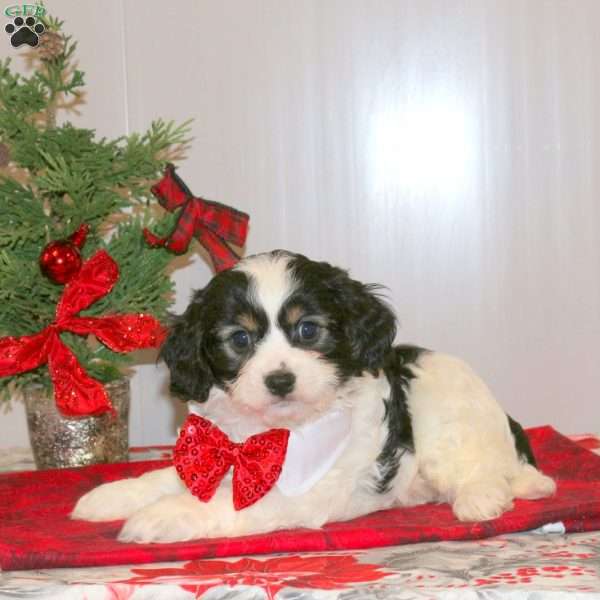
(312, 450)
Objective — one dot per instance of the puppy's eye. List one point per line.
(308, 331)
(240, 339)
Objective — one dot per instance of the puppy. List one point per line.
(281, 341)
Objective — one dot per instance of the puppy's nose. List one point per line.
(280, 382)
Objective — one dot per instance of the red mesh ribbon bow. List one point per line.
(75, 392)
(203, 455)
(215, 225)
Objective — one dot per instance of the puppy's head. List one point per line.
(279, 333)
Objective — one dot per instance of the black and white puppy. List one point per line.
(282, 341)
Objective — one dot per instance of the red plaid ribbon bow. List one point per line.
(215, 225)
(203, 455)
(75, 392)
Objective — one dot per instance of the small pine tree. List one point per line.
(55, 178)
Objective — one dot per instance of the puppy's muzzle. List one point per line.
(280, 382)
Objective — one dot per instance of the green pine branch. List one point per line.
(61, 176)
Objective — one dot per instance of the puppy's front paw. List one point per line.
(482, 501)
(174, 518)
(112, 501)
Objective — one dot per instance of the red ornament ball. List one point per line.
(60, 261)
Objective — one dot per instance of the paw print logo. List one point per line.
(25, 31)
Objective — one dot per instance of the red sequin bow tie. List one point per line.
(75, 392)
(215, 225)
(203, 455)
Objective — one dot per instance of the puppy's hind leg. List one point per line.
(482, 499)
(487, 496)
(516, 477)
(464, 446)
(530, 484)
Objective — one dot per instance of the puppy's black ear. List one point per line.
(191, 375)
(368, 323)
(371, 326)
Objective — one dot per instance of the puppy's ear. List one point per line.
(370, 326)
(191, 375)
(368, 323)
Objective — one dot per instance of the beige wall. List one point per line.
(448, 149)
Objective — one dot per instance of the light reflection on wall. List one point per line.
(421, 148)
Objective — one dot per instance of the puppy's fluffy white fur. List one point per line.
(462, 448)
